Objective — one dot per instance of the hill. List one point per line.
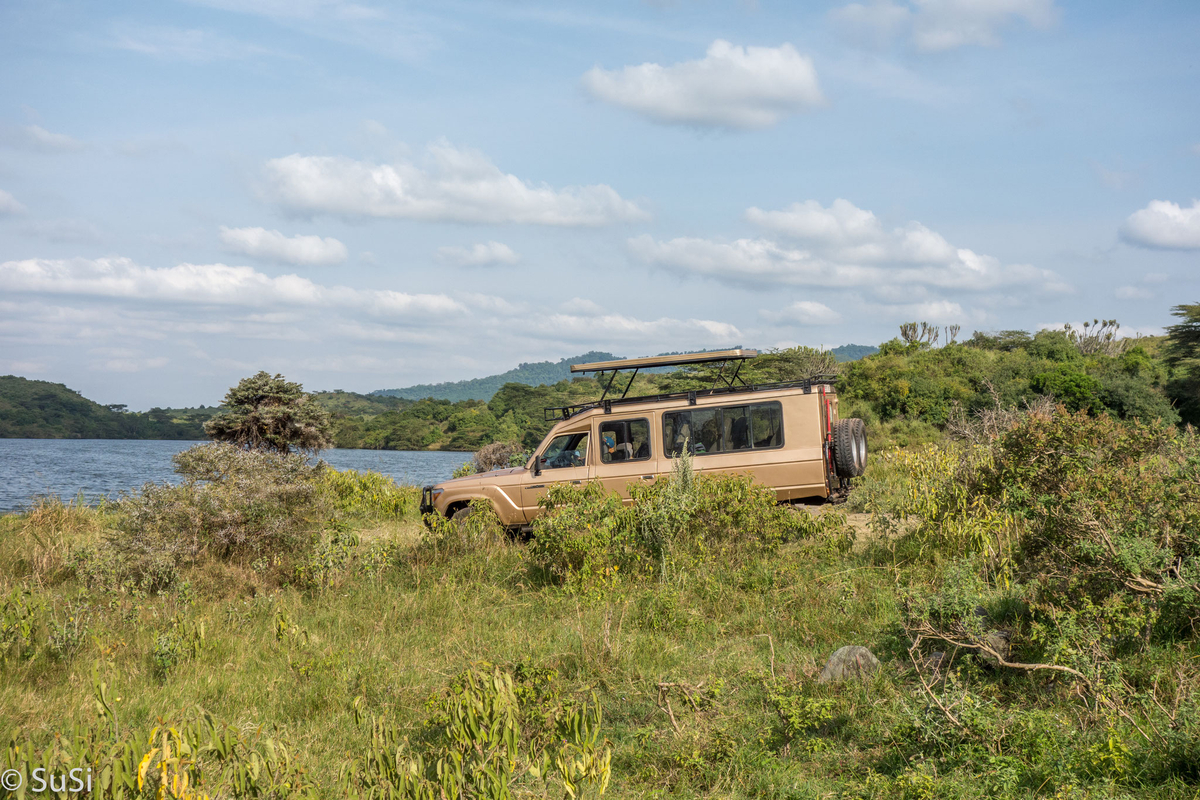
(538, 373)
(32, 409)
(853, 352)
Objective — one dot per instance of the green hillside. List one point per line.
(537, 373)
(42, 410)
(853, 352)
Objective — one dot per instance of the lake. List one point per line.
(105, 467)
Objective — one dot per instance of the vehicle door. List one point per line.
(625, 453)
(564, 459)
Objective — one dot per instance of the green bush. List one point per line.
(233, 504)
(1093, 521)
(367, 494)
(479, 743)
(681, 521)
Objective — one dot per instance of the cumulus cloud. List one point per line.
(455, 185)
(840, 246)
(274, 246)
(9, 205)
(37, 139)
(479, 255)
(937, 25)
(1165, 225)
(731, 87)
(208, 284)
(804, 312)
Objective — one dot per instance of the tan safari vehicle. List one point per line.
(786, 435)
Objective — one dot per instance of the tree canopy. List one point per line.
(271, 413)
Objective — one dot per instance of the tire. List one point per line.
(850, 448)
(461, 514)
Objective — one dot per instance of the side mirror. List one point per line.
(537, 466)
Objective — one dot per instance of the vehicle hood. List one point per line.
(480, 478)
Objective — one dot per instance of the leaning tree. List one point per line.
(270, 413)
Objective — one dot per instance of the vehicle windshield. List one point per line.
(568, 450)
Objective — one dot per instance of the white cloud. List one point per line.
(38, 139)
(9, 205)
(456, 186)
(1164, 224)
(842, 246)
(209, 284)
(618, 328)
(731, 87)
(804, 312)
(198, 46)
(1133, 293)
(274, 246)
(937, 25)
(480, 255)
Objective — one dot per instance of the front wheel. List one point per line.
(850, 448)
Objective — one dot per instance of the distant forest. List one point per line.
(44, 410)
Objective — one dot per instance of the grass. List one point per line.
(707, 680)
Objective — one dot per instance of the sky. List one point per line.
(367, 195)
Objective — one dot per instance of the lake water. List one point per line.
(105, 467)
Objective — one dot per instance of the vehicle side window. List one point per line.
(706, 423)
(624, 440)
(677, 430)
(723, 430)
(736, 424)
(766, 425)
(568, 450)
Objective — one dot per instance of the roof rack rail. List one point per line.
(555, 413)
(650, 362)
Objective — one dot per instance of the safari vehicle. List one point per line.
(786, 435)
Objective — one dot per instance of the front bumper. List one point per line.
(427, 500)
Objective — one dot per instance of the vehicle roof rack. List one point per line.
(556, 413)
(650, 362)
(732, 383)
(738, 356)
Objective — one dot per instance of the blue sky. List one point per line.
(369, 195)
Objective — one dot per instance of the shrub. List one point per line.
(480, 744)
(367, 494)
(233, 504)
(497, 455)
(181, 641)
(1096, 521)
(478, 530)
(682, 520)
(19, 612)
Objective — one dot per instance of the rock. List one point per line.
(1000, 642)
(933, 661)
(852, 661)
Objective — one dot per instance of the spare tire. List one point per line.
(850, 447)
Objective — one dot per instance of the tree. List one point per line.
(265, 413)
(1182, 354)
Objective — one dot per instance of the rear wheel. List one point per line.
(850, 448)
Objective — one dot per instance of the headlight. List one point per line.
(436, 493)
